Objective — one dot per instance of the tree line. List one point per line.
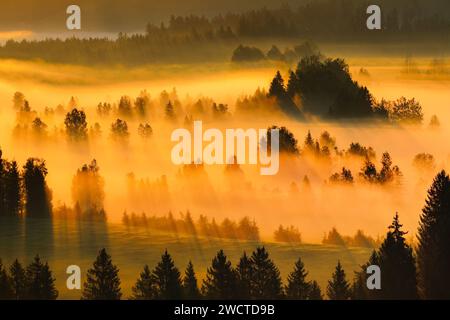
(167, 42)
(406, 272)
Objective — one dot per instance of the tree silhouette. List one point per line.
(102, 281)
(244, 273)
(12, 189)
(6, 291)
(76, 125)
(145, 287)
(338, 288)
(167, 279)
(397, 263)
(433, 250)
(40, 282)
(266, 280)
(220, 281)
(297, 286)
(190, 286)
(314, 291)
(18, 280)
(287, 141)
(37, 194)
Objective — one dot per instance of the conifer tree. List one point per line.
(297, 287)
(6, 291)
(103, 281)
(145, 288)
(397, 265)
(244, 272)
(433, 251)
(37, 194)
(314, 291)
(40, 282)
(190, 286)
(18, 280)
(167, 278)
(220, 281)
(338, 287)
(12, 190)
(266, 280)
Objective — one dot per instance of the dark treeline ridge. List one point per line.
(321, 20)
(406, 272)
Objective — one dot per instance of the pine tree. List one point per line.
(297, 287)
(220, 282)
(167, 278)
(13, 200)
(277, 87)
(314, 292)
(18, 280)
(359, 286)
(433, 252)
(244, 272)
(190, 286)
(36, 191)
(6, 291)
(338, 287)
(145, 287)
(398, 265)
(266, 280)
(103, 281)
(40, 282)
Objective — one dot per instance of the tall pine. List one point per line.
(18, 280)
(297, 286)
(244, 272)
(190, 285)
(145, 287)
(220, 281)
(40, 281)
(6, 291)
(338, 287)
(433, 251)
(102, 281)
(266, 279)
(167, 278)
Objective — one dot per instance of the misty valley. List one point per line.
(220, 150)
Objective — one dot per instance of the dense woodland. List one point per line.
(192, 38)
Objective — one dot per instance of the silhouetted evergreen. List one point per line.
(190, 286)
(40, 281)
(244, 273)
(102, 281)
(297, 286)
(433, 250)
(314, 291)
(37, 194)
(277, 89)
(145, 287)
(6, 291)
(287, 141)
(266, 280)
(397, 265)
(167, 279)
(18, 280)
(12, 189)
(220, 281)
(338, 288)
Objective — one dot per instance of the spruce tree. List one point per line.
(266, 279)
(244, 272)
(18, 280)
(40, 282)
(397, 264)
(220, 281)
(36, 191)
(297, 287)
(314, 291)
(6, 291)
(433, 251)
(338, 287)
(12, 190)
(145, 287)
(359, 286)
(167, 278)
(190, 286)
(103, 281)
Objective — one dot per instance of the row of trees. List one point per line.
(24, 191)
(324, 87)
(405, 273)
